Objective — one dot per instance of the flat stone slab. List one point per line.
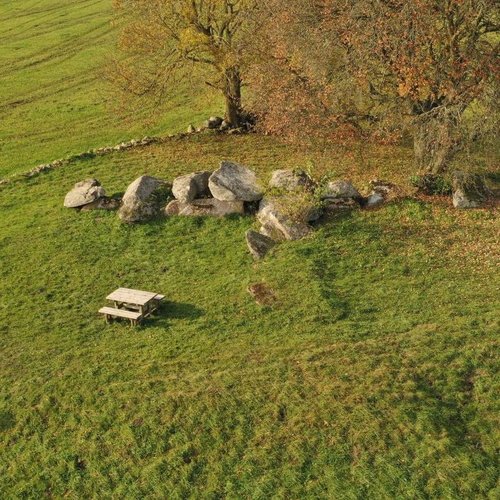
(83, 193)
(205, 207)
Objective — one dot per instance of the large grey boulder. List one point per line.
(289, 180)
(205, 207)
(469, 190)
(191, 186)
(258, 244)
(341, 190)
(275, 219)
(83, 193)
(233, 182)
(142, 200)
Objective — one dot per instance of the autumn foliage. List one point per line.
(335, 69)
(376, 68)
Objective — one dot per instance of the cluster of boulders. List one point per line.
(295, 202)
(292, 204)
(231, 189)
(286, 210)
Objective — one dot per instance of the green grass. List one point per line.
(54, 101)
(374, 375)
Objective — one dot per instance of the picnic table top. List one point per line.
(130, 296)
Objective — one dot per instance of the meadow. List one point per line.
(374, 375)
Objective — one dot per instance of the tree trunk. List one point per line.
(232, 95)
(435, 141)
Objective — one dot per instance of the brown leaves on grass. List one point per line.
(263, 294)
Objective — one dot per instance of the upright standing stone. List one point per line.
(191, 186)
(142, 200)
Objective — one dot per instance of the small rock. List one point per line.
(374, 200)
(232, 182)
(258, 244)
(469, 190)
(289, 180)
(191, 129)
(341, 190)
(214, 122)
(83, 193)
(189, 187)
(142, 200)
(205, 207)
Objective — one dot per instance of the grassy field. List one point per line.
(373, 376)
(54, 101)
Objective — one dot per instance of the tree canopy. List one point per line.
(330, 68)
(161, 38)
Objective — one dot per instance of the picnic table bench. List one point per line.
(134, 305)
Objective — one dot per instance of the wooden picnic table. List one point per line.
(127, 300)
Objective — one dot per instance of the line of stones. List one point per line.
(92, 153)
